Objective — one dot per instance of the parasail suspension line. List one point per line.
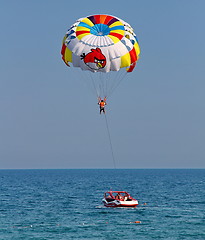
(120, 78)
(113, 157)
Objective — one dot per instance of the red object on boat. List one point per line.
(119, 199)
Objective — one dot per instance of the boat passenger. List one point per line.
(119, 197)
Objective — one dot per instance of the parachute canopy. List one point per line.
(100, 43)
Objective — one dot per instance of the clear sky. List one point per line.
(50, 119)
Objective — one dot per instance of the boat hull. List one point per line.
(118, 203)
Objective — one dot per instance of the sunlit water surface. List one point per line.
(66, 204)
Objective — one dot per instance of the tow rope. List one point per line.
(111, 147)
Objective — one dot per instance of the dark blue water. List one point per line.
(66, 204)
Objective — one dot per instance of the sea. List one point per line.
(67, 204)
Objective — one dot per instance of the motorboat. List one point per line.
(119, 199)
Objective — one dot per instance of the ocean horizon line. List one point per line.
(102, 169)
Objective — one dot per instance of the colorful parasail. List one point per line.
(101, 44)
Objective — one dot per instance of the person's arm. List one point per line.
(99, 99)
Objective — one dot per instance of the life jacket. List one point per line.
(102, 104)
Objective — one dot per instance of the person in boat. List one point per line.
(126, 198)
(119, 197)
(102, 103)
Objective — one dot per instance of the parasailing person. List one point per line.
(102, 103)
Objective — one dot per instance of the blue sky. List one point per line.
(50, 119)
